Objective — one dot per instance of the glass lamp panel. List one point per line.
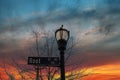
(58, 37)
(64, 35)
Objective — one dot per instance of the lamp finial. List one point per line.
(61, 26)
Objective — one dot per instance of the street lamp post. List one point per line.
(62, 37)
(37, 72)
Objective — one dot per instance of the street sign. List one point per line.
(44, 61)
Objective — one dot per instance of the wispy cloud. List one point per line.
(94, 24)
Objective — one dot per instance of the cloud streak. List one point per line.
(95, 26)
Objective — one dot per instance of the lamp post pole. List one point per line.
(62, 37)
(37, 72)
(62, 65)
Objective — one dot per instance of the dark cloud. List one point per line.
(70, 13)
(108, 22)
(107, 28)
(102, 58)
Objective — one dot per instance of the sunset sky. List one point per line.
(93, 24)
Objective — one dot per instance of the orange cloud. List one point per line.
(105, 72)
(102, 77)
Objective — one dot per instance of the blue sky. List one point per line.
(92, 23)
(15, 8)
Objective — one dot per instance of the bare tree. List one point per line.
(46, 50)
(10, 76)
(45, 45)
(49, 49)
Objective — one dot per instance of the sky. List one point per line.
(93, 25)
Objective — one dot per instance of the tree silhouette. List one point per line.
(45, 46)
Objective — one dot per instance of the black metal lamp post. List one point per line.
(62, 37)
